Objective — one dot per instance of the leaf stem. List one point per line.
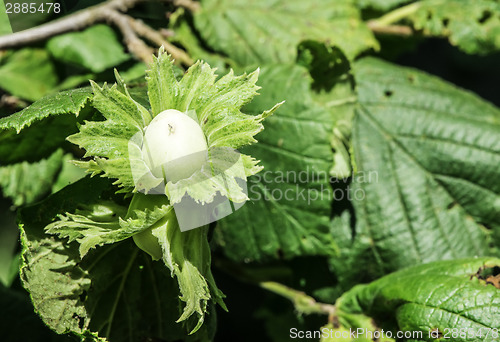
(303, 303)
(190, 5)
(396, 15)
(396, 30)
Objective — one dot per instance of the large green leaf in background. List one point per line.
(290, 200)
(433, 297)
(287, 215)
(263, 31)
(116, 291)
(28, 74)
(96, 49)
(427, 187)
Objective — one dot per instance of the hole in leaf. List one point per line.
(436, 333)
(489, 275)
(446, 21)
(83, 296)
(429, 15)
(388, 93)
(485, 16)
(81, 321)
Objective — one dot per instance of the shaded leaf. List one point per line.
(26, 326)
(26, 182)
(9, 235)
(37, 141)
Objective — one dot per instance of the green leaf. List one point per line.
(38, 130)
(26, 182)
(69, 174)
(116, 292)
(28, 74)
(108, 141)
(269, 31)
(92, 225)
(290, 201)
(37, 141)
(427, 156)
(330, 69)
(65, 102)
(96, 49)
(186, 254)
(5, 27)
(471, 25)
(435, 297)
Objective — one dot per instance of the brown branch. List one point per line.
(73, 22)
(190, 5)
(135, 45)
(396, 30)
(157, 38)
(11, 101)
(109, 11)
